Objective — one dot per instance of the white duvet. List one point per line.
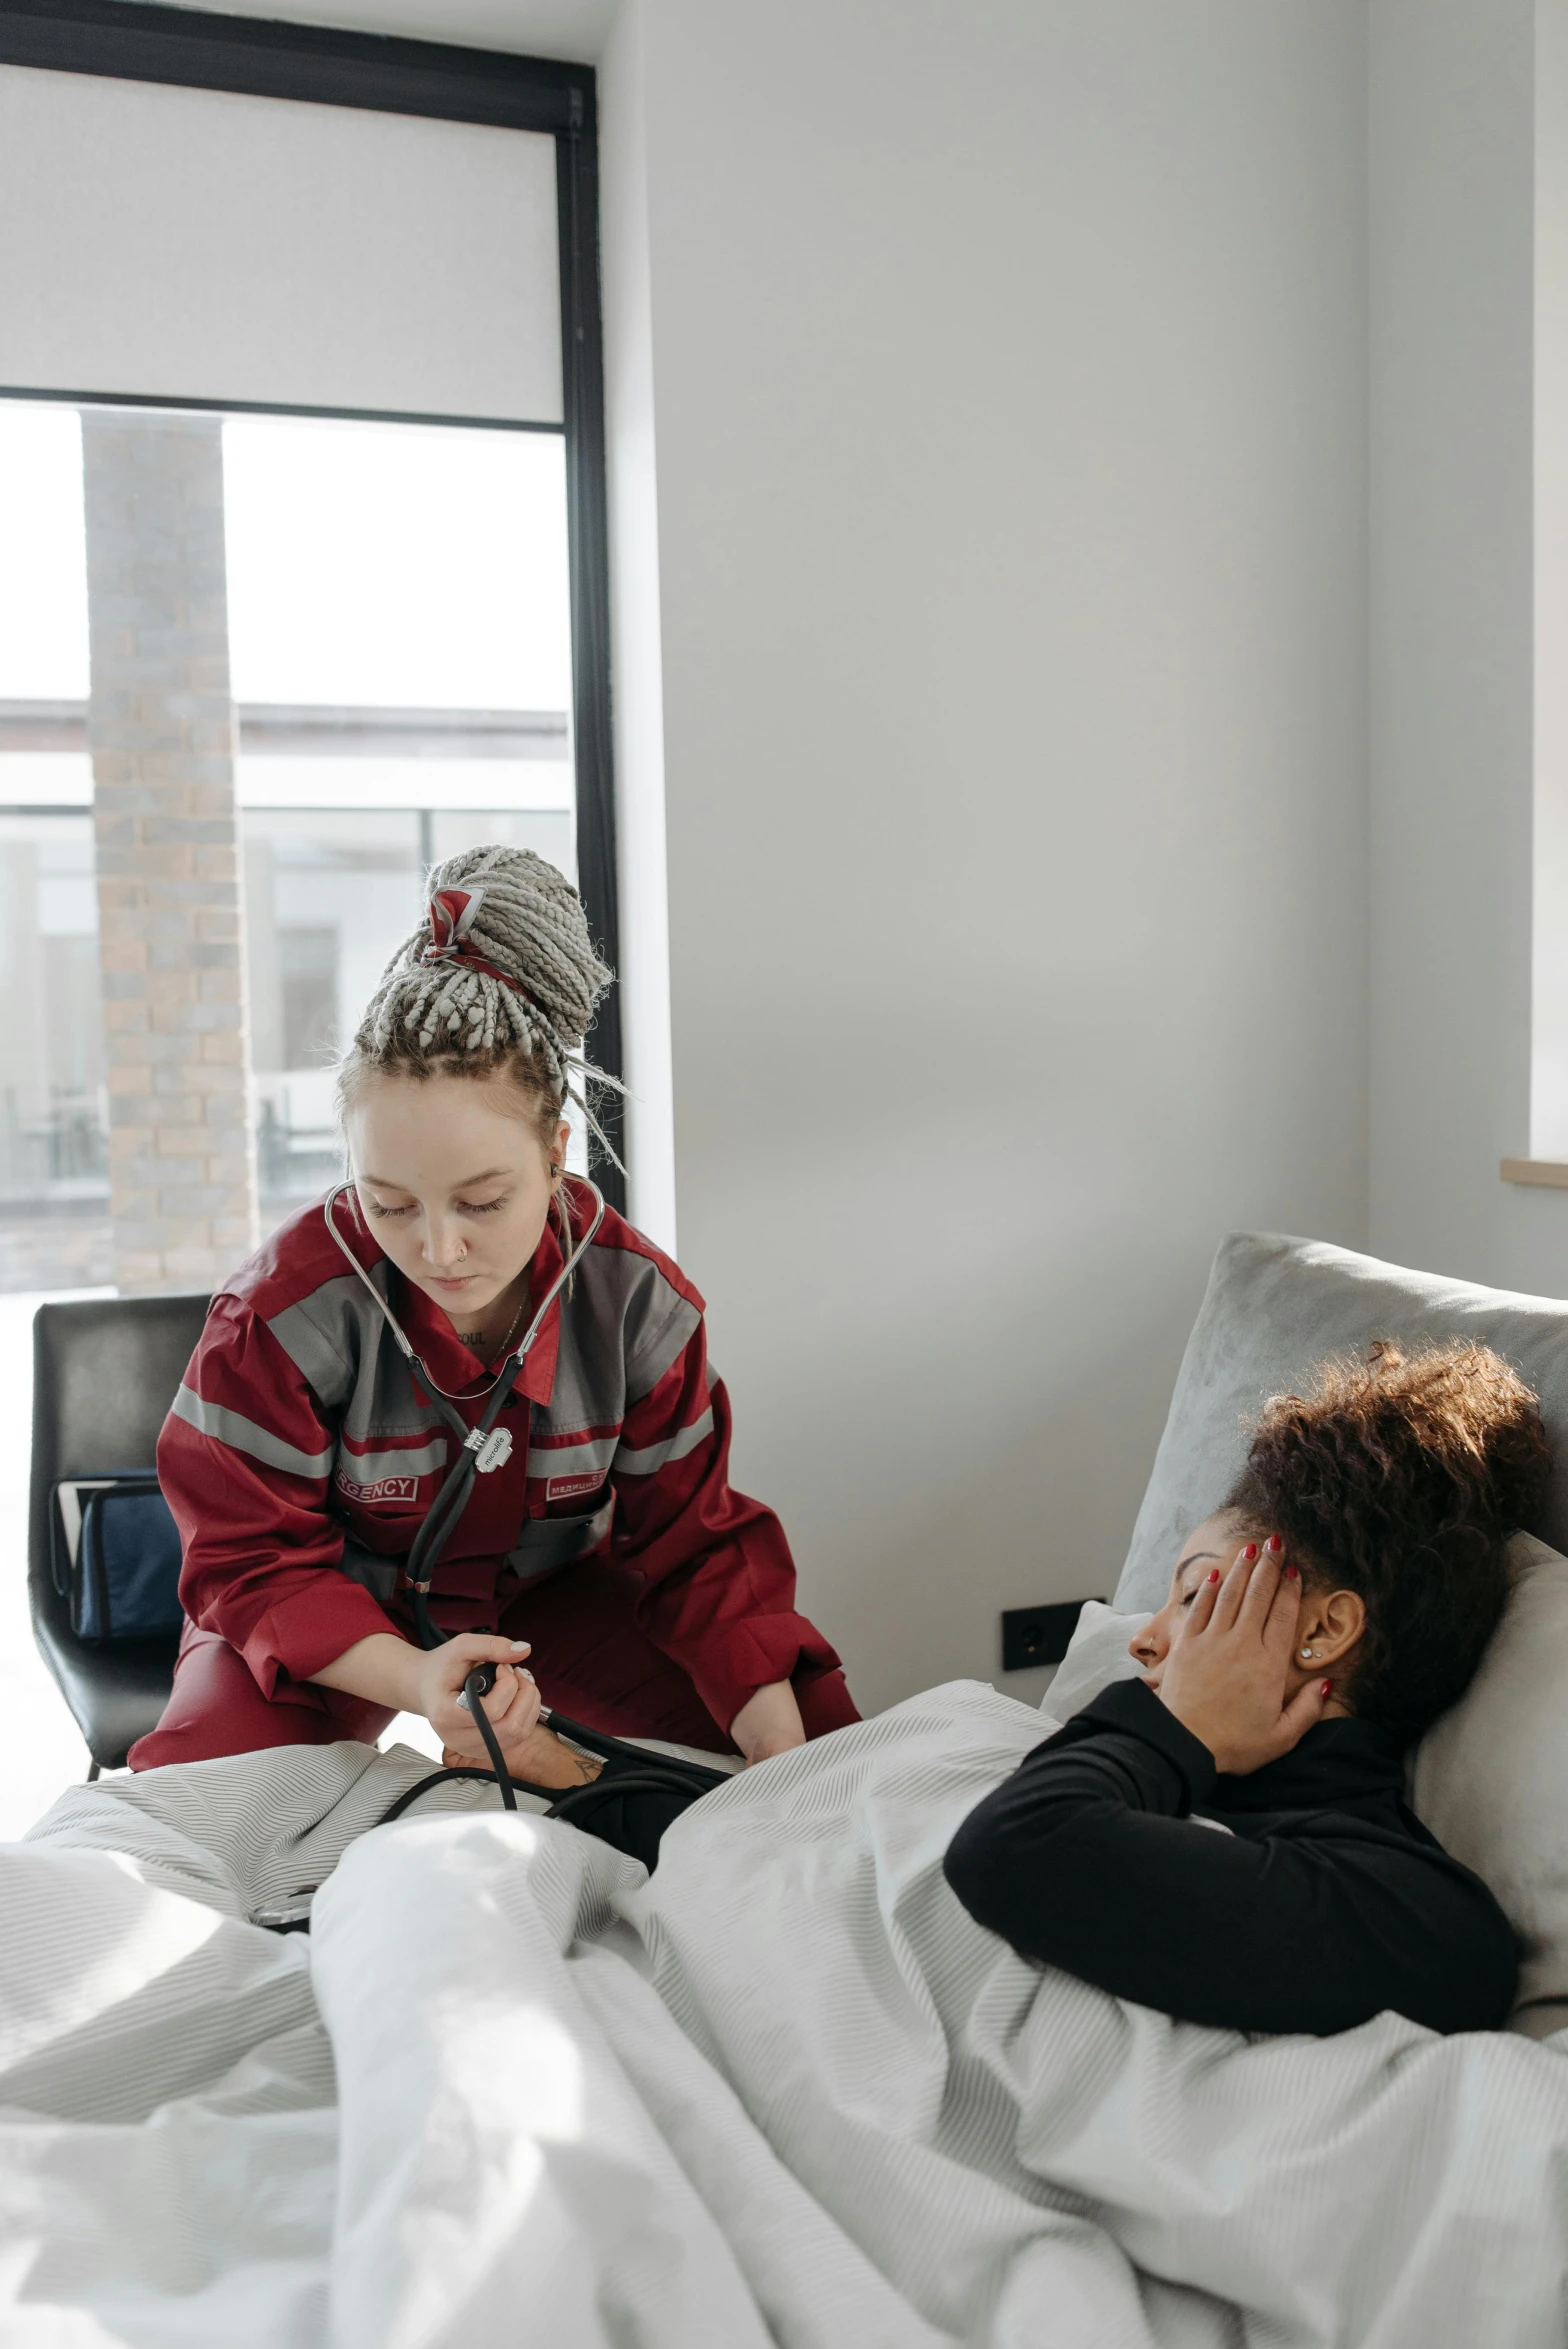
(510, 2090)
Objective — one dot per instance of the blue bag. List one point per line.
(117, 1558)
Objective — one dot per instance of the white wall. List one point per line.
(637, 656)
(1007, 371)
(1452, 208)
(1549, 958)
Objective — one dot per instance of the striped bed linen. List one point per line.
(511, 2089)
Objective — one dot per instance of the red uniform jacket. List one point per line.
(300, 1422)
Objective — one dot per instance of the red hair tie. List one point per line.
(452, 914)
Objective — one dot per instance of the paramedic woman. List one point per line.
(606, 1566)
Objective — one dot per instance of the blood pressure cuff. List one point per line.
(633, 1819)
(116, 1558)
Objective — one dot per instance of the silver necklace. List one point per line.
(474, 1338)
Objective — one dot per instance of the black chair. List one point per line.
(104, 1374)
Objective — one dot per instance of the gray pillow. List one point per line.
(1274, 1307)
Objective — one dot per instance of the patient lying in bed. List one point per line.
(1315, 1627)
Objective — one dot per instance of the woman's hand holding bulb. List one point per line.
(512, 1706)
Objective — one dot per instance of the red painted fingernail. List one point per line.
(1325, 1688)
(1250, 1552)
(1213, 1574)
(1275, 1544)
(1291, 1575)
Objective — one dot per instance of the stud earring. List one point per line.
(1309, 1652)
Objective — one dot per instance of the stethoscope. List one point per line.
(484, 1446)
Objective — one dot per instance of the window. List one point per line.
(54, 1173)
(300, 592)
(395, 618)
(400, 651)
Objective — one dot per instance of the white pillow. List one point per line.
(1490, 1778)
(1096, 1655)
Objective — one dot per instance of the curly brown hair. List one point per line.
(1402, 1478)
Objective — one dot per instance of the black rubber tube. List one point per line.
(697, 1778)
(572, 1798)
(444, 1777)
(473, 1689)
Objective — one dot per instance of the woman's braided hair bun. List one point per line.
(1403, 1477)
(528, 1012)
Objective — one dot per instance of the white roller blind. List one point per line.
(191, 244)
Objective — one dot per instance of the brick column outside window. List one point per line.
(162, 730)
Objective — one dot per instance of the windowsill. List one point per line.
(1545, 1174)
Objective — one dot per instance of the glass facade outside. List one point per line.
(400, 659)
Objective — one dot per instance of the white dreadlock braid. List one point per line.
(530, 924)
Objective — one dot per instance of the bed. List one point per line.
(509, 2088)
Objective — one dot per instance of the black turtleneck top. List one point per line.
(1326, 1902)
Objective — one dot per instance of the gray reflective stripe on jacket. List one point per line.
(599, 1454)
(342, 1348)
(589, 1458)
(418, 1460)
(623, 1326)
(243, 1435)
(653, 1457)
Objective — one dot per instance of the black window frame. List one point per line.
(138, 40)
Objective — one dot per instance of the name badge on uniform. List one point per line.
(567, 1488)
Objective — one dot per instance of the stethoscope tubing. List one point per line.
(448, 1505)
(440, 1395)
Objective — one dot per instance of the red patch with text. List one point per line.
(388, 1488)
(567, 1488)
